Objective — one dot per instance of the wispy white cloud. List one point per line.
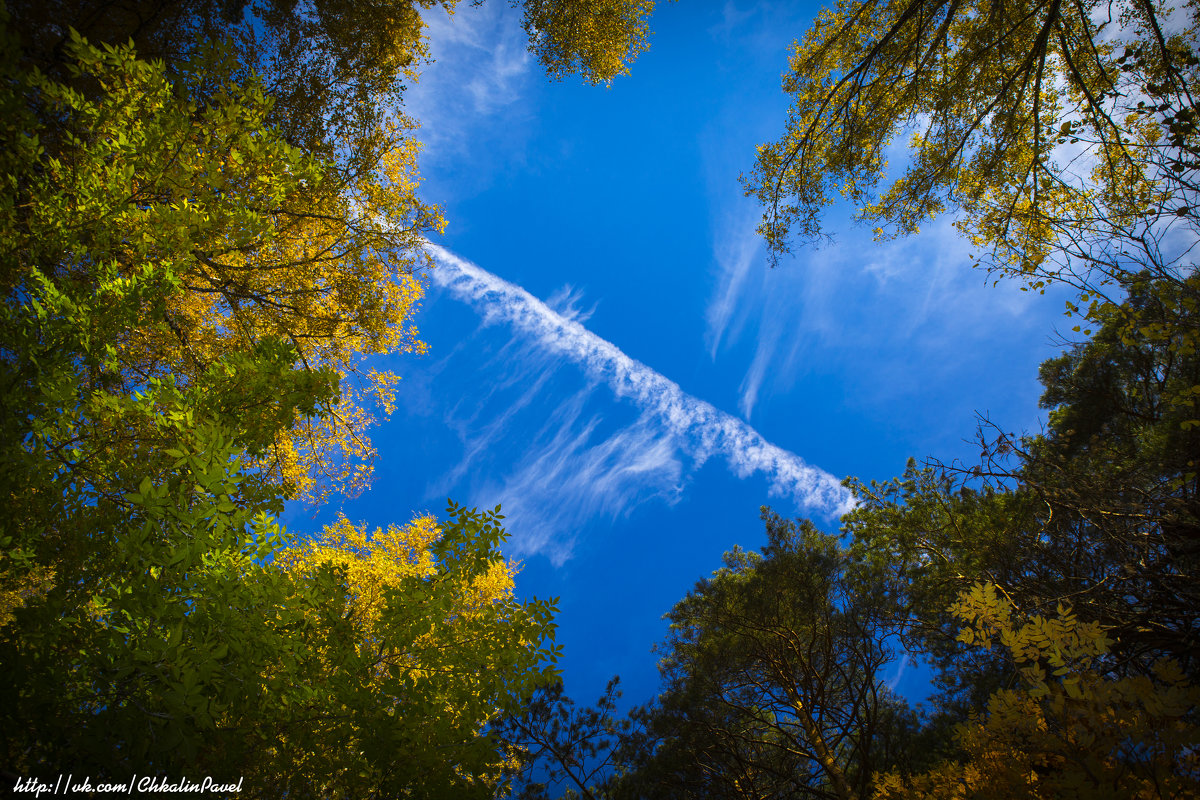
(481, 432)
(543, 442)
(901, 668)
(694, 426)
(883, 313)
(564, 302)
(764, 356)
(481, 72)
(737, 249)
(572, 474)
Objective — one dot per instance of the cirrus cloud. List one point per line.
(694, 426)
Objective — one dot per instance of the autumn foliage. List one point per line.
(199, 257)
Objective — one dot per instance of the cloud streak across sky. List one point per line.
(697, 427)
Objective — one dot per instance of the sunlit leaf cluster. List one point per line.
(1067, 730)
(595, 39)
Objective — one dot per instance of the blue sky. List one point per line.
(613, 360)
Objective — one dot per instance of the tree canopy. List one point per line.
(1051, 127)
(1065, 730)
(772, 681)
(194, 266)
